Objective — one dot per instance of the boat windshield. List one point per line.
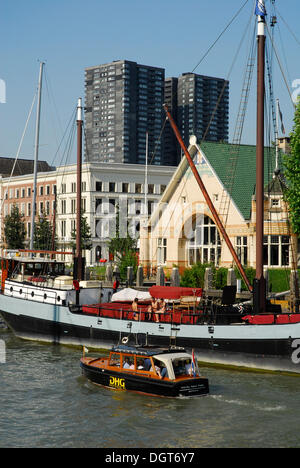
(182, 366)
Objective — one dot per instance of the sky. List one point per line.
(70, 35)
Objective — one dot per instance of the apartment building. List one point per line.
(123, 103)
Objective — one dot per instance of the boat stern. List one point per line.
(193, 387)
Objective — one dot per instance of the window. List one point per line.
(151, 188)
(125, 187)
(63, 188)
(275, 202)
(161, 251)
(204, 243)
(98, 186)
(47, 189)
(73, 206)
(41, 190)
(98, 205)
(276, 250)
(138, 188)
(63, 207)
(63, 228)
(28, 191)
(242, 249)
(112, 186)
(112, 205)
(73, 187)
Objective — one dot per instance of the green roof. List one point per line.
(238, 163)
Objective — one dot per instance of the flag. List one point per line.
(193, 364)
(260, 9)
(281, 119)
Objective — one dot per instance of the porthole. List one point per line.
(11, 289)
(58, 298)
(20, 291)
(45, 296)
(32, 293)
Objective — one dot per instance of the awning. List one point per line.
(174, 292)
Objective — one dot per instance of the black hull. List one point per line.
(273, 354)
(125, 381)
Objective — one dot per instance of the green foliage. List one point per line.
(250, 273)
(14, 229)
(86, 237)
(292, 173)
(123, 250)
(43, 234)
(193, 277)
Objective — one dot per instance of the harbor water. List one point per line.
(46, 402)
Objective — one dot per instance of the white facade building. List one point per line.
(111, 193)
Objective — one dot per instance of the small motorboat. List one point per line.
(169, 372)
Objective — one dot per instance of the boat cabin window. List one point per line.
(182, 367)
(128, 362)
(143, 363)
(114, 360)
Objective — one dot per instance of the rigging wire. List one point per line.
(220, 35)
(197, 65)
(280, 65)
(213, 113)
(19, 149)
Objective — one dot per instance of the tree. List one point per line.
(43, 234)
(86, 237)
(123, 249)
(14, 229)
(292, 174)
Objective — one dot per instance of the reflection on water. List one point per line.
(46, 402)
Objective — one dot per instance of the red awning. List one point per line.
(173, 292)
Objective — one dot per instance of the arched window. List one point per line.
(98, 253)
(204, 244)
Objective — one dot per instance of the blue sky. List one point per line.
(70, 35)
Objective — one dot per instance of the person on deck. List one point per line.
(134, 307)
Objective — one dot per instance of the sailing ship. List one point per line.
(252, 335)
(38, 300)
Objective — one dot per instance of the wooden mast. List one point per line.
(259, 290)
(78, 188)
(207, 199)
(36, 155)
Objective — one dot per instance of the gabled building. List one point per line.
(182, 231)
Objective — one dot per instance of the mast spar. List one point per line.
(207, 198)
(78, 201)
(36, 155)
(259, 287)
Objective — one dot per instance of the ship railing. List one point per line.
(23, 291)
